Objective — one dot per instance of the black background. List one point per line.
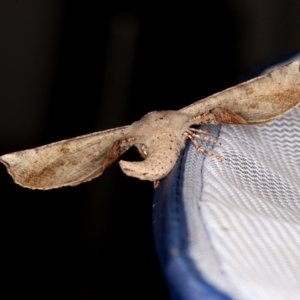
(69, 68)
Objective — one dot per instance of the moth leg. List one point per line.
(205, 118)
(199, 148)
(199, 130)
(202, 137)
(155, 184)
(128, 141)
(143, 150)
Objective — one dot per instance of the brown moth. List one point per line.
(159, 136)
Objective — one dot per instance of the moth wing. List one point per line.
(259, 100)
(68, 162)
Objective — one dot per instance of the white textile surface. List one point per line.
(244, 214)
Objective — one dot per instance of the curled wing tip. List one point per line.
(8, 160)
(5, 159)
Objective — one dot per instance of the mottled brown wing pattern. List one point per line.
(67, 162)
(259, 100)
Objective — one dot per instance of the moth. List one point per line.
(159, 136)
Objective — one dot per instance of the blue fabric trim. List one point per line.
(171, 238)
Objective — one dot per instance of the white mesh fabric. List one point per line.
(244, 213)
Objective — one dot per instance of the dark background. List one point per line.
(69, 68)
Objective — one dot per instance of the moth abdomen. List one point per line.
(162, 152)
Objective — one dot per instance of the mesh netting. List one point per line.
(244, 214)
